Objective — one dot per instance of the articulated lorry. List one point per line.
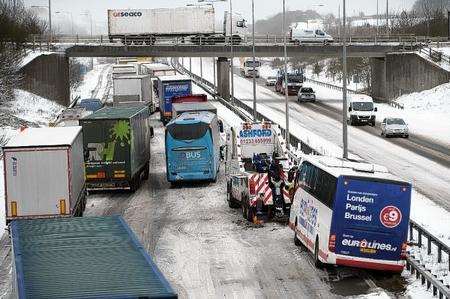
(44, 174)
(197, 23)
(250, 149)
(117, 147)
(86, 257)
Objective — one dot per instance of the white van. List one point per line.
(247, 67)
(361, 110)
(308, 34)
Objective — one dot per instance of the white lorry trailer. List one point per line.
(124, 70)
(144, 26)
(132, 89)
(44, 173)
(250, 149)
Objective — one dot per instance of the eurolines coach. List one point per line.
(351, 214)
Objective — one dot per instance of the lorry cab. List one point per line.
(248, 68)
(309, 34)
(361, 110)
(250, 149)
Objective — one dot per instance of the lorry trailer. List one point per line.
(168, 88)
(144, 26)
(117, 147)
(179, 108)
(86, 257)
(44, 174)
(132, 89)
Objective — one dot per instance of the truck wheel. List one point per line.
(146, 171)
(244, 211)
(296, 240)
(317, 262)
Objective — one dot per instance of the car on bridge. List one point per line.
(391, 126)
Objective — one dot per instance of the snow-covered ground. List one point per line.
(427, 113)
(32, 55)
(94, 82)
(26, 109)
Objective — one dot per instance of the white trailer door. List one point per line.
(37, 179)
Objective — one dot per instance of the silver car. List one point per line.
(394, 127)
(270, 81)
(306, 94)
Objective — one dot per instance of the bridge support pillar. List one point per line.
(223, 78)
(378, 78)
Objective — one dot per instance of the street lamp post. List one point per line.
(50, 19)
(254, 60)
(231, 51)
(88, 14)
(49, 7)
(286, 96)
(71, 19)
(344, 86)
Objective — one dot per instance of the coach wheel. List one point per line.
(317, 262)
(296, 240)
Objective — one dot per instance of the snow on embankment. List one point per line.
(427, 113)
(26, 109)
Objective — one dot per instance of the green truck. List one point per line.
(116, 143)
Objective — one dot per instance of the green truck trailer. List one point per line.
(116, 144)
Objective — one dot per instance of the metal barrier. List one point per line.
(405, 42)
(351, 91)
(416, 268)
(434, 55)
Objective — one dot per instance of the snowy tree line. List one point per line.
(17, 24)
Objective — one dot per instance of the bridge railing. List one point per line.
(433, 270)
(406, 41)
(350, 91)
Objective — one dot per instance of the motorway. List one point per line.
(426, 165)
(207, 250)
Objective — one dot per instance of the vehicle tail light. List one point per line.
(332, 243)
(62, 206)
(101, 175)
(252, 187)
(403, 253)
(14, 208)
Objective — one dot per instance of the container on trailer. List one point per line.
(88, 257)
(157, 69)
(44, 174)
(132, 89)
(185, 20)
(117, 147)
(168, 88)
(179, 108)
(123, 70)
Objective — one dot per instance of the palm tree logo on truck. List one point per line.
(119, 134)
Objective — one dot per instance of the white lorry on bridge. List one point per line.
(145, 26)
(249, 150)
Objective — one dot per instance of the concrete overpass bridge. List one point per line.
(274, 50)
(396, 66)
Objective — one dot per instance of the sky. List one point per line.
(263, 8)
